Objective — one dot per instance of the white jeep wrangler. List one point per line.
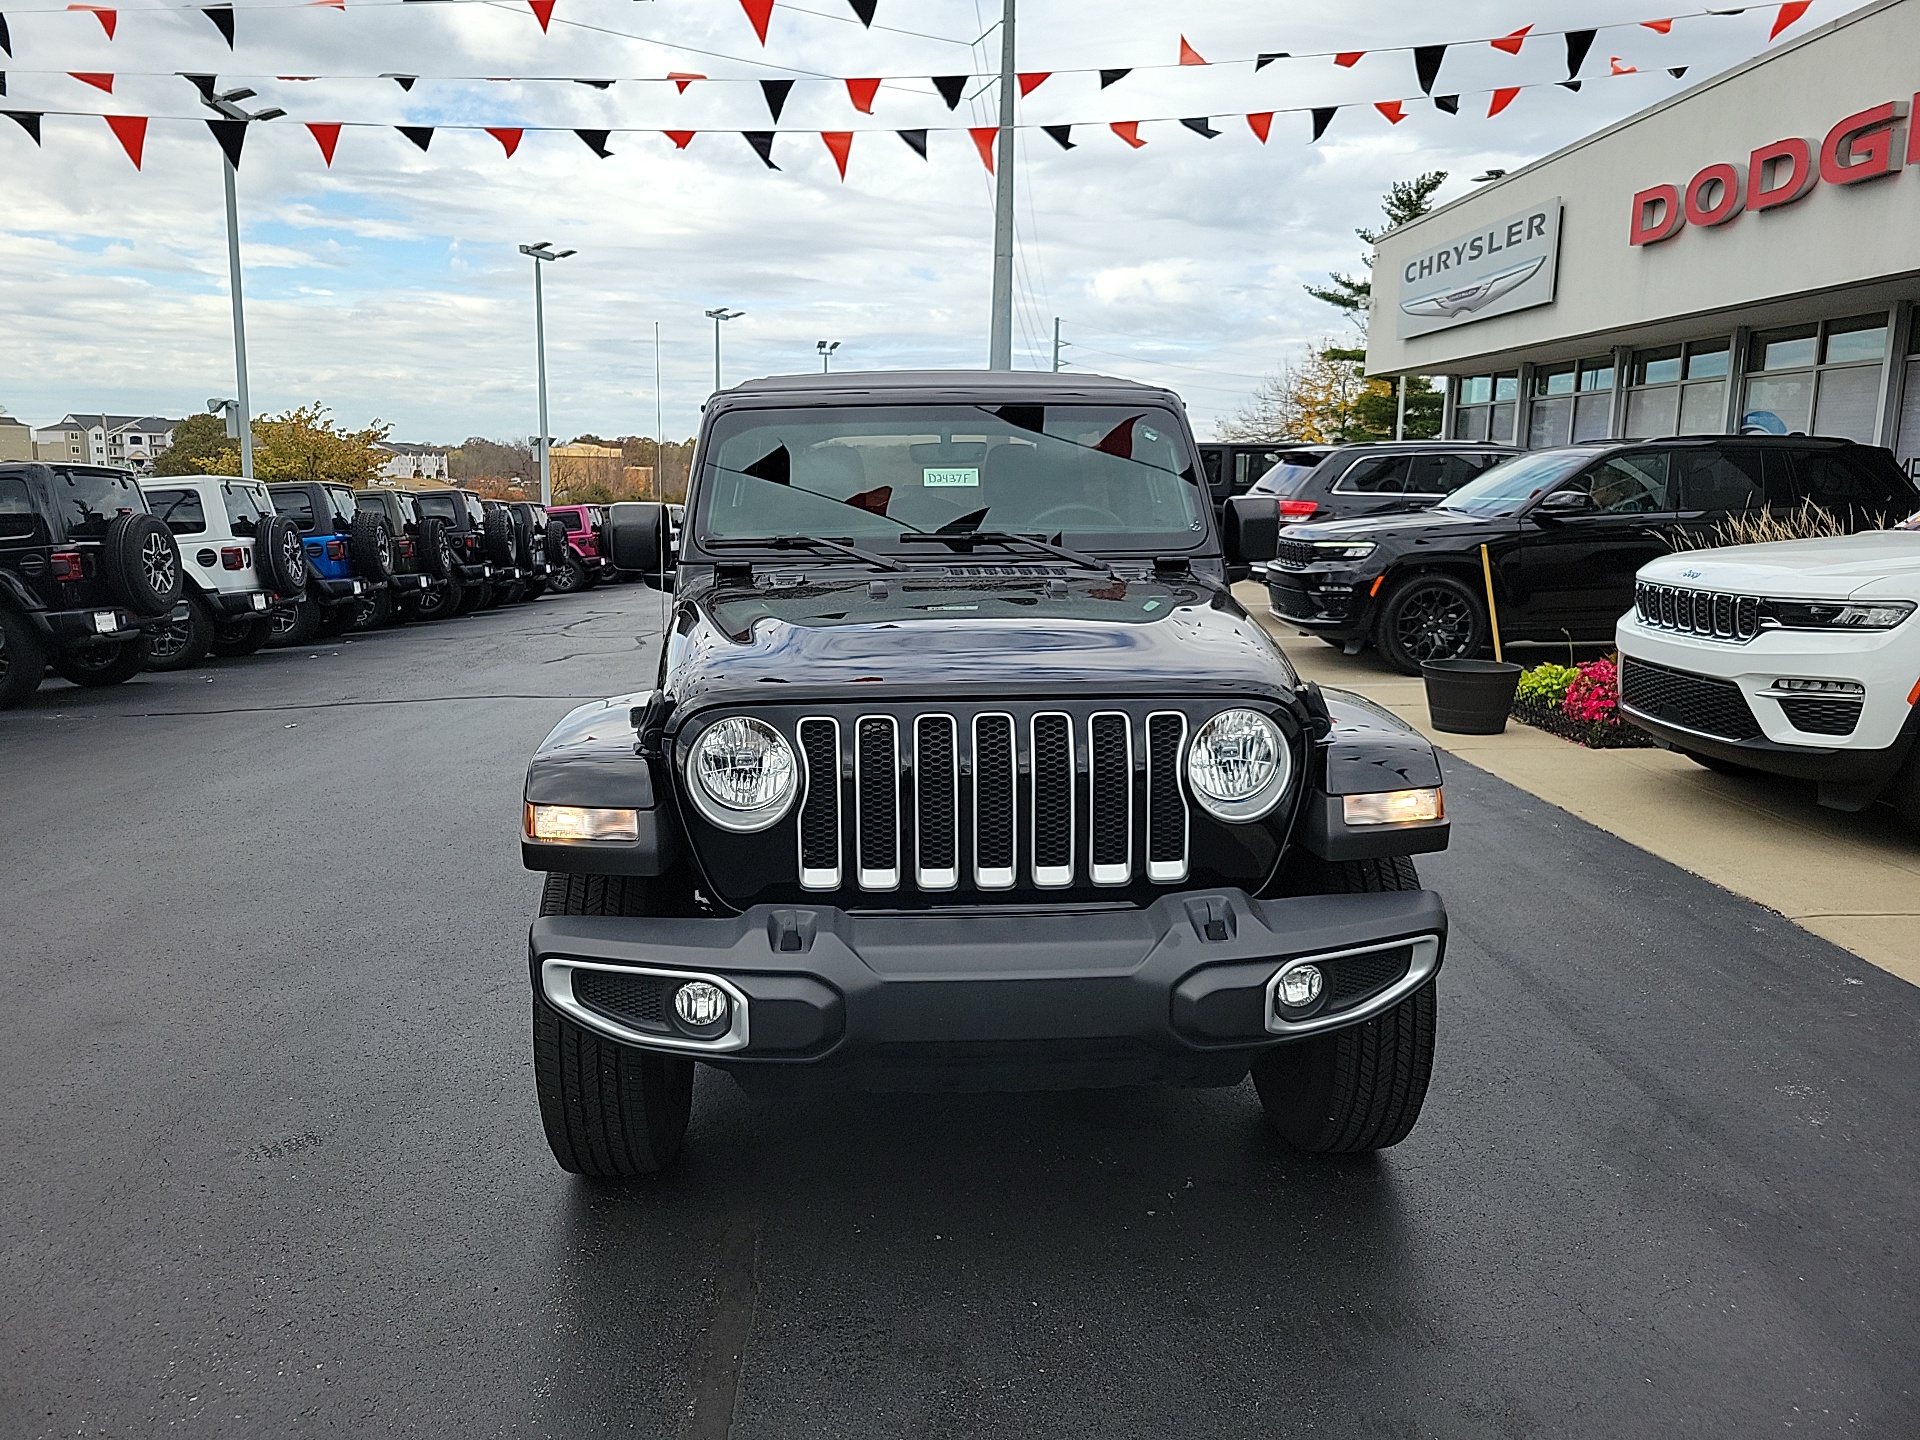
(239, 559)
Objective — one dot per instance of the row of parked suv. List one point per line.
(101, 576)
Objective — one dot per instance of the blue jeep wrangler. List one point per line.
(349, 555)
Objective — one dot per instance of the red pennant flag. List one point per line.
(1502, 99)
(1032, 80)
(98, 82)
(983, 138)
(760, 12)
(681, 79)
(1392, 109)
(1261, 122)
(680, 138)
(1620, 67)
(131, 131)
(1789, 13)
(509, 139)
(107, 18)
(1512, 43)
(1129, 131)
(861, 92)
(326, 137)
(1659, 27)
(1347, 59)
(329, 4)
(543, 12)
(1189, 55)
(840, 142)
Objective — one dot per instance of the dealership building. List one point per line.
(1742, 256)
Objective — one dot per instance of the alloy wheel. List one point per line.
(281, 621)
(158, 558)
(293, 552)
(168, 639)
(1434, 624)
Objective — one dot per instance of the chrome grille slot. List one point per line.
(1110, 798)
(820, 811)
(1705, 613)
(936, 804)
(876, 788)
(1167, 817)
(993, 789)
(1051, 792)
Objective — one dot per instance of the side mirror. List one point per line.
(1250, 531)
(636, 535)
(1566, 502)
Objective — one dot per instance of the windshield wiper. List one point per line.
(807, 542)
(967, 539)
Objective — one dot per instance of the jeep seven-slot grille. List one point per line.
(942, 801)
(1693, 702)
(1294, 554)
(1704, 613)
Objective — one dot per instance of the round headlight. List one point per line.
(741, 773)
(1239, 766)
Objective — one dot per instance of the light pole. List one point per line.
(542, 252)
(826, 354)
(227, 106)
(719, 317)
(1000, 341)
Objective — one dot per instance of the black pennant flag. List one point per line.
(864, 9)
(1448, 103)
(232, 134)
(596, 141)
(1322, 117)
(222, 18)
(1426, 65)
(1200, 126)
(1110, 77)
(421, 135)
(203, 83)
(1062, 135)
(3, 82)
(405, 82)
(27, 120)
(1677, 71)
(916, 141)
(596, 84)
(1573, 85)
(762, 143)
(951, 87)
(1266, 60)
(6, 40)
(776, 92)
(1578, 43)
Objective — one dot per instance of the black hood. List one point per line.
(1406, 529)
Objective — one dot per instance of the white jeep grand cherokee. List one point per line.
(1798, 658)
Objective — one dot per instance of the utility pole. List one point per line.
(1056, 344)
(540, 253)
(659, 426)
(1000, 349)
(719, 318)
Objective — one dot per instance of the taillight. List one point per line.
(406, 549)
(336, 549)
(233, 558)
(1298, 509)
(66, 565)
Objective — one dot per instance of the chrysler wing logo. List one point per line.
(1469, 298)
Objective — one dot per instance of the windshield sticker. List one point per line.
(964, 476)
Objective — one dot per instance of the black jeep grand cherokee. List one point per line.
(963, 769)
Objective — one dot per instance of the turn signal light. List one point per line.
(1298, 509)
(1394, 807)
(66, 565)
(578, 822)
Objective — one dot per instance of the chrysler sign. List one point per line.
(1499, 268)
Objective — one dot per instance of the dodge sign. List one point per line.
(1507, 266)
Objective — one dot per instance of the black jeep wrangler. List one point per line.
(963, 769)
(422, 559)
(482, 543)
(85, 570)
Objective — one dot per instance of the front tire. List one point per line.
(1350, 1091)
(610, 1111)
(1429, 617)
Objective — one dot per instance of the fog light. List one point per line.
(1299, 987)
(700, 1006)
(1394, 807)
(576, 822)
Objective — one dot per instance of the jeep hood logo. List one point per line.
(1468, 299)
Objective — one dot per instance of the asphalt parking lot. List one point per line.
(271, 1162)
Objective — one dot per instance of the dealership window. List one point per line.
(1908, 445)
(1678, 390)
(1571, 402)
(1484, 406)
(1816, 379)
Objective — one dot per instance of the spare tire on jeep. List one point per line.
(498, 531)
(556, 542)
(142, 564)
(434, 550)
(370, 546)
(279, 556)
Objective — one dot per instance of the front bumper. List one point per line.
(1178, 993)
(1336, 603)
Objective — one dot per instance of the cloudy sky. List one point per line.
(389, 286)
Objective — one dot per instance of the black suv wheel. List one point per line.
(99, 666)
(1429, 617)
(179, 644)
(23, 659)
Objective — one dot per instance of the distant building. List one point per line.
(16, 440)
(412, 462)
(130, 441)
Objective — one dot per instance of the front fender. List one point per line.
(1368, 751)
(591, 758)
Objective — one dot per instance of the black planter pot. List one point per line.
(1470, 697)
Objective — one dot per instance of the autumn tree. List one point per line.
(302, 444)
(197, 439)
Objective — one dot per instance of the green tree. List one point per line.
(1405, 200)
(201, 446)
(305, 444)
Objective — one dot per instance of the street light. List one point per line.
(718, 317)
(826, 354)
(543, 251)
(227, 106)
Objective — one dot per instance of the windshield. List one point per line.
(1286, 477)
(1505, 488)
(90, 500)
(1095, 475)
